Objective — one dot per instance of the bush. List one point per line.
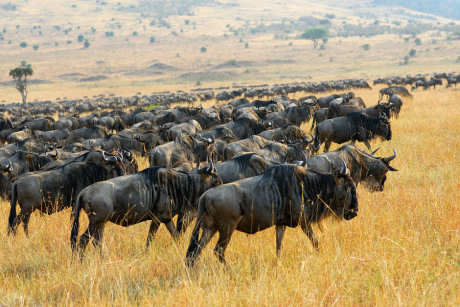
(246, 45)
(36, 46)
(23, 45)
(69, 42)
(109, 34)
(152, 39)
(86, 44)
(203, 49)
(412, 53)
(417, 41)
(366, 47)
(81, 38)
(135, 33)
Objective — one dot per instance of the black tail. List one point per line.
(76, 223)
(194, 242)
(12, 218)
(317, 141)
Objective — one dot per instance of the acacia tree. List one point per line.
(315, 34)
(20, 74)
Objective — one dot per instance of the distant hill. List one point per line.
(444, 8)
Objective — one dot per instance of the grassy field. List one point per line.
(402, 248)
(254, 34)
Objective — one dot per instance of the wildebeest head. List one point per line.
(381, 127)
(209, 175)
(344, 202)
(377, 170)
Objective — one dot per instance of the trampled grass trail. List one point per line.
(402, 248)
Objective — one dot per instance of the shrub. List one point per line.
(109, 34)
(417, 41)
(86, 44)
(81, 38)
(412, 53)
(152, 39)
(366, 47)
(203, 49)
(36, 46)
(23, 45)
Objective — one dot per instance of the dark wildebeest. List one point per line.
(183, 150)
(363, 167)
(388, 91)
(285, 195)
(286, 153)
(54, 190)
(19, 163)
(243, 166)
(352, 127)
(319, 116)
(251, 144)
(290, 134)
(155, 194)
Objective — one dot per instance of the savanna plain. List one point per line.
(402, 248)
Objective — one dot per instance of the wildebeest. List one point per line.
(363, 167)
(243, 166)
(155, 194)
(352, 127)
(19, 163)
(54, 190)
(183, 150)
(285, 195)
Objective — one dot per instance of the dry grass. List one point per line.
(402, 249)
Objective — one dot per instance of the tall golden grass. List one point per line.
(402, 249)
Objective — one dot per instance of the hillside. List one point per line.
(87, 48)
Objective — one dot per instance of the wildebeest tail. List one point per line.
(317, 141)
(76, 222)
(193, 245)
(12, 217)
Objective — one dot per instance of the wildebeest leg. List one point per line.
(25, 221)
(224, 238)
(310, 234)
(152, 231)
(194, 249)
(97, 236)
(279, 238)
(183, 220)
(86, 236)
(172, 229)
(327, 145)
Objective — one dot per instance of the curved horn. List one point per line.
(211, 165)
(344, 169)
(387, 160)
(373, 153)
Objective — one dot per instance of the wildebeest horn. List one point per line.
(112, 158)
(311, 140)
(344, 169)
(8, 166)
(373, 153)
(387, 160)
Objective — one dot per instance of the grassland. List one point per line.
(257, 33)
(402, 249)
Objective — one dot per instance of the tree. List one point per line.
(81, 38)
(86, 44)
(20, 74)
(315, 34)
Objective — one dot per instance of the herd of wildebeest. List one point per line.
(242, 164)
